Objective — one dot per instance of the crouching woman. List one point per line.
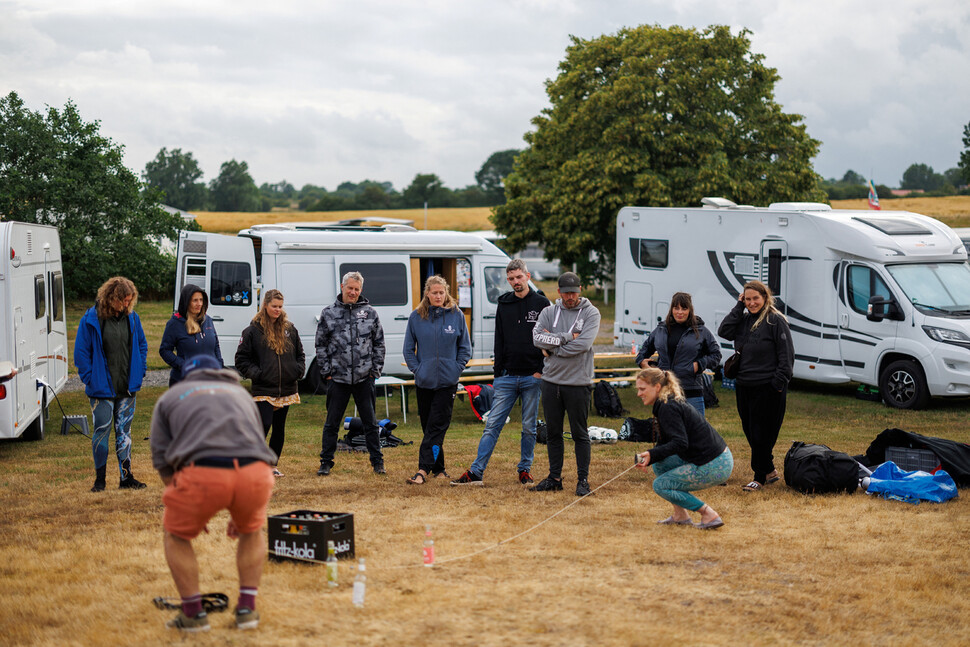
(689, 454)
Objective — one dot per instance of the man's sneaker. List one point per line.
(189, 625)
(324, 470)
(547, 484)
(582, 488)
(131, 483)
(246, 618)
(468, 478)
(525, 478)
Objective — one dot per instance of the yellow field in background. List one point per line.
(229, 222)
(954, 210)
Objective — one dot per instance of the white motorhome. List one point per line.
(305, 261)
(877, 297)
(33, 328)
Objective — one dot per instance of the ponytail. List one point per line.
(669, 384)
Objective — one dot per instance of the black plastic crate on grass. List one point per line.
(302, 535)
(911, 459)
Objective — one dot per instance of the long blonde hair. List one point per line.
(192, 324)
(670, 385)
(117, 287)
(425, 304)
(274, 331)
(769, 307)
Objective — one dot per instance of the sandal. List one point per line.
(418, 479)
(670, 521)
(753, 486)
(441, 473)
(772, 478)
(277, 473)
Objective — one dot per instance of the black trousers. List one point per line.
(559, 401)
(762, 410)
(275, 418)
(338, 397)
(434, 408)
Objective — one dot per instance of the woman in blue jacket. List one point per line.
(436, 349)
(189, 332)
(110, 352)
(683, 346)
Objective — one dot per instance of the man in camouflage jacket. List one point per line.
(350, 356)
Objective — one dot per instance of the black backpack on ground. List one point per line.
(607, 400)
(816, 469)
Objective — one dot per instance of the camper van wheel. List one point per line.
(903, 386)
(35, 430)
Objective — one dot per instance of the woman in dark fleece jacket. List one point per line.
(689, 454)
(762, 338)
(189, 332)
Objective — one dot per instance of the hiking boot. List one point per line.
(98, 486)
(246, 618)
(131, 483)
(582, 487)
(189, 625)
(547, 484)
(99, 479)
(324, 470)
(379, 469)
(525, 478)
(468, 478)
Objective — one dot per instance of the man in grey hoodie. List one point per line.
(565, 332)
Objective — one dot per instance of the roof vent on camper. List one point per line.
(799, 206)
(717, 203)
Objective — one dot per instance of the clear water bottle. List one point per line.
(360, 584)
(331, 565)
(428, 547)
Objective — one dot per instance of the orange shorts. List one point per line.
(197, 493)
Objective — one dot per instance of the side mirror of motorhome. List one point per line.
(881, 308)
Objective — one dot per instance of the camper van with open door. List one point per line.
(876, 297)
(306, 261)
(33, 328)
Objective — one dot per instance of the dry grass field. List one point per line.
(470, 219)
(81, 568)
(954, 210)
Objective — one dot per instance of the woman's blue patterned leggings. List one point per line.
(121, 411)
(676, 478)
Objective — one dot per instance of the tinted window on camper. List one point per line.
(385, 284)
(40, 297)
(231, 284)
(57, 296)
(649, 252)
(861, 284)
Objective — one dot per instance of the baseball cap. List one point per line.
(200, 361)
(569, 282)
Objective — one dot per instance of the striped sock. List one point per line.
(192, 605)
(247, 598)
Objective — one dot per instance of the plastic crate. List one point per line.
(911, 460)
(302, 535)
(728, 383)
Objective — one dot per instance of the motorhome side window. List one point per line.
(648, 252)
(40, 297)
(385, 284)
(231, 284)
(57, 296)
(495, 283)
(862, 283)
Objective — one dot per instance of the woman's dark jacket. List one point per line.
(767, 353)
(700, 347)
(178, 345)
(686, 433)
(273, 375)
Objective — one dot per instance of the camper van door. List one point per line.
(226, 267)
(863, 342)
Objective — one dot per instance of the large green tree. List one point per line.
(234, 189)
(422, 189)
(921, 176)
(177, 175)
(56, 169)
(657, 117)
(491, 177)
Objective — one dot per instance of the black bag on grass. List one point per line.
(607, 400)
(816, 469)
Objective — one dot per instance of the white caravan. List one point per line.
(33, 329)
(305, 261)
(877, 297)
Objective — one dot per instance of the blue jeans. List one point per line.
(121, 411)
(508, 389)
(697, 403)
(676, 478)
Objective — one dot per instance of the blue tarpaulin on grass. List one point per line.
(890, 482)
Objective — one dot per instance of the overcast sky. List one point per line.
(322, 92)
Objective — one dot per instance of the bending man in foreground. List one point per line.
(208, 447)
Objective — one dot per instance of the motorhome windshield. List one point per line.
(935, 287)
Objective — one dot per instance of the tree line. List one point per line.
(918, 177)
(178, 176)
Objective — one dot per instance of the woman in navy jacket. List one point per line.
(189, 332)
(684, 346)
(110, 352)
(436, 349)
